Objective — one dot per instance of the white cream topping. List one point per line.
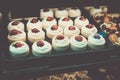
(74, 13)
(19, 26)
(41, 50)
(46, 14)
(81, 23)
(64, 24)
(46, 23)
(19, 50)
(33, 25)
(61, 13)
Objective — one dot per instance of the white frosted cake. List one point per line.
(95, 10)
(53, 31)
(33, 23)
(65, 22)
(35, 34)
(48, 21)
(16, 35)
(18, 49)
(16, 25)
(96, 41)
(41, 48)
(71, 31)
(46, 13)
(81, 21)
(78, 43)
(88, 30)
(61, 12)
(74, 12)
(60, 43)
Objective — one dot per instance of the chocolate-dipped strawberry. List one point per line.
(66, 19)
(72, 28)
(40, 43)
(78, 38)
(50, 18)
(14, 32)
(89, 26)
(54, 27)
(15, 23)
(60, 37)
(34, 20)
(35, 30)
(18, 44)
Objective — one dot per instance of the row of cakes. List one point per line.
(60, 12)
(59, 43)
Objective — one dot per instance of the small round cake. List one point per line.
(53, 31)
(88, 30)
(33, 23)
(61, 12)
(74, 12)
(48, 21)
(78, 43)
(41, 48)
(60, 43)
(96, 41)
(19, 49)
(16, 35)
(36, 34)
(16, 25)
(94, 10)
(71, 31)
(81, 21)
(46, 13)
(65, 22)
(109, 27)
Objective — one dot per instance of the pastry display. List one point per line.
(33, 23)
(81, 21)
(74, 12)
(60, 43)
(78, 43)
(46, 13)
(15, 25)
(71, 31)
(88, 30)
(41, 48)
(19, 49)
(35, 34)
(96, 41)
(48, 21)
(65, 22)
(53, 31)
(61, 12)
(16, 35)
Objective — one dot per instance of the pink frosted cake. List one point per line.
(35, 34)
(18, 49)
(33, 23)
(65, 22)
(71, 31)
(48, 21)
(88, 30)
(81, 21)
(16, 25)
(41, 48)
(16, 35)
(46, 13)
(78, 43)
(53, 31)
(60, 43)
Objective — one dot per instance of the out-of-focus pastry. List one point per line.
(61, 12)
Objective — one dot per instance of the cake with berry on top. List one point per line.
(61, 12)
(41, 48)
(35, 34)
(16, 35)
(33, 23)
(19, 49)
(53, 31)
